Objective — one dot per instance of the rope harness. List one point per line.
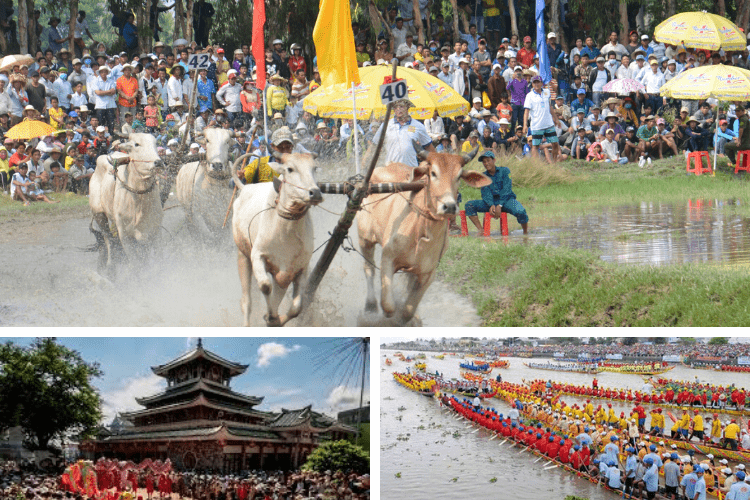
(115, 165)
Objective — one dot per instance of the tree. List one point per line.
(628, 341)
(718, 341)
(46, 389)
(687, 340)
(659, 340)
(338, 455)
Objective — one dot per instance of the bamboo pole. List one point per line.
(347, 218)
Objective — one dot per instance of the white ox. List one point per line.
(126, 196)
(411, 228)
(274, 234)
(202, 187)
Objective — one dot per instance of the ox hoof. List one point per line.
(265, 289)
(272, 320)
(371, 306)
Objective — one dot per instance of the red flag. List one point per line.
(259, 49)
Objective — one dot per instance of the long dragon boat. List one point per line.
(445, 401)
(420, 366)
(388, 362)
(483, 368)
(439, 356)
(564, 368)
(635, 368)
(559, 388)
(716, 451)
(500, 363)
(425, 387)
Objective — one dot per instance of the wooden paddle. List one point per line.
(503, 442)
(552, 467)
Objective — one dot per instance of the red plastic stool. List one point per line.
(503, 224)
(743, 161)
(464, 226)
(698, 168)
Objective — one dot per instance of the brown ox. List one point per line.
(411, 229)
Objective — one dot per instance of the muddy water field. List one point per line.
(52, 279)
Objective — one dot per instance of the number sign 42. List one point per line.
(199, 61)
(395, 91)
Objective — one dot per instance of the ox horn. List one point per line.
(236, 165)
(121, 135)
(470, 155)
(421, 153)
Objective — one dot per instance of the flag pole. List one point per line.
(265, 123)
(356, 134)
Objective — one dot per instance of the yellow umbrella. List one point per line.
(727, 83)
(426, 92)
(701, 30)
(29, 129)
(7, 62)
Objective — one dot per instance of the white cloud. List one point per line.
(343, 397)
(270, 350)
(123, 398)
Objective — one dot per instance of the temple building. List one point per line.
(200, 423)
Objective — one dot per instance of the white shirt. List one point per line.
(78, 100)
(62, 91)
(610, 149)
(406, 50)
(229, 97)
(104, 102)
(174, 91)
(435, 127)
(540, 117)
(144, 85)
(459, 84)
(398, 141)
(622, 72)
(617, 47)
(653, 81)
(81, 28)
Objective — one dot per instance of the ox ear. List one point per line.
(126, 147)
(420, 171)
(200, 140)
(276, 184)
(470, 155)
(475, 179)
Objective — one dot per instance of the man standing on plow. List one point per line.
(497, 197)
(401, 134)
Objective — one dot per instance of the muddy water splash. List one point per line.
(695, 231)
(53, 282)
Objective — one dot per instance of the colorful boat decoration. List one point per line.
(500, 363)
(573, 368)
(483, 368)
(388, 362)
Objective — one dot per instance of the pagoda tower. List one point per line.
(200, 423)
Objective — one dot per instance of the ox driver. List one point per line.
(401, 134)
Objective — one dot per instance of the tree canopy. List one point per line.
(338, 455)
(46, 389)
(718, 341)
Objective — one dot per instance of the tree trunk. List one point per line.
(140, 20)
(178, 13)
(72, 25)
(23, 24)
(513, 19)
(189, 20)
(554, 21)
(743, 14)
(722, 8)
(672, 8)
(33, 38)
(454, 6)
(418, 21)
(624, 24)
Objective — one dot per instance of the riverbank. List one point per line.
(524, 284)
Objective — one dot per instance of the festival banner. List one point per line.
(671, 358)
(334, 44)
(743, 360)
(259, 46)
(541, 44)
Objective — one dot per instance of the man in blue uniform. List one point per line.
(497, 197)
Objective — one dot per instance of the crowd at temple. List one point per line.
(203, 485)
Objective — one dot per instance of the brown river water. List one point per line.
(695, 231)
(417, 440)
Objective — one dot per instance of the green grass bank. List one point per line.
(532, 285)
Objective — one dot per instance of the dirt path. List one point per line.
(52, 280)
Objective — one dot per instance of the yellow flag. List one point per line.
(334, 44)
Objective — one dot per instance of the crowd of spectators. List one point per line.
(92, 97)
(639, 349)
(252, 485)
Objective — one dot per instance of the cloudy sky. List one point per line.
(288, 372)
